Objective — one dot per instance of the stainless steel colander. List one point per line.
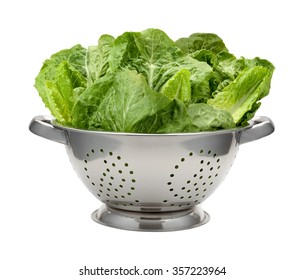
(151, 182)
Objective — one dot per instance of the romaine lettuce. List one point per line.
(144, 82)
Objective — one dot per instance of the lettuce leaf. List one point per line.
(206, 117)
(153, 54)
(118, 102)
(178, 86)
(241, 95)
(97, 57)
(58, 78)
(201, 41)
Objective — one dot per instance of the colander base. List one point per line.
(141, 221)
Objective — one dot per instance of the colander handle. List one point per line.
(262, 126)
(42, 126)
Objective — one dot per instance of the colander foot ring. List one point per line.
(147, 221)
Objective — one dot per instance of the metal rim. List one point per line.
(215, 132)
(150, 222)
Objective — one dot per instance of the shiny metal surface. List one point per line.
(150, 173)
(147, 221)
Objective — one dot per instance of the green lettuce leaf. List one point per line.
(193, 118)
(241, 95)
(146, 52)
(178, 86)
(201, 41)
(153, 54)
(57, 80)
(118, 102)
(175, 119)
(205, 117)
(97, 62)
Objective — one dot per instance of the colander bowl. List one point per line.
(151, 182)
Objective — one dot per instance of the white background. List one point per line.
(256, 227)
